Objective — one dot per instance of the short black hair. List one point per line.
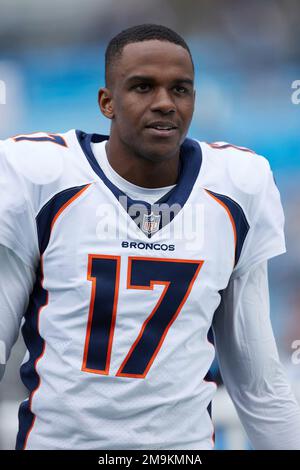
(139, 33)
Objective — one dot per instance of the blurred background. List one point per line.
(246, 54)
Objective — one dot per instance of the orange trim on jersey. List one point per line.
(152, 283)
(229, 215)
(49, 134)
(61, 210)
(219, 146)
(91, 313)
(40, 356)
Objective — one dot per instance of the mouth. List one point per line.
(162, 129)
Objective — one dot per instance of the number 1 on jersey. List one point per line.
(177, 276)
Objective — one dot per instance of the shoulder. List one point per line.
(38, 157)
(240, 176)
(235, 172)
(237, 169)
(43, 164)
(244, 182)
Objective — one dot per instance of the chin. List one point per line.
(159, 152)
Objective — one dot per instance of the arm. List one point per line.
(250, 366)
(16, 282)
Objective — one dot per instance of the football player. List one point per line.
(121, 252)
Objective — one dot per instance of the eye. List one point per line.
(142, 87)
(181, 90)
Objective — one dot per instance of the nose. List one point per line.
(163, 102)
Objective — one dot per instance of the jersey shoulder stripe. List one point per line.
(226, 145)
(238, 220)
(49, 213)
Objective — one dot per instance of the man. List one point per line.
(131, 247)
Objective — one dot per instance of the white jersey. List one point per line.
(116, 327)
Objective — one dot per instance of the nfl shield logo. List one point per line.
(150, 223)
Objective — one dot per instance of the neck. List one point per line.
(139, 170)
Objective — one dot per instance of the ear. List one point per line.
(106, 102)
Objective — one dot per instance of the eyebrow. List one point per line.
(145, 78)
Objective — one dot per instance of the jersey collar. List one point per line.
(190, 159)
